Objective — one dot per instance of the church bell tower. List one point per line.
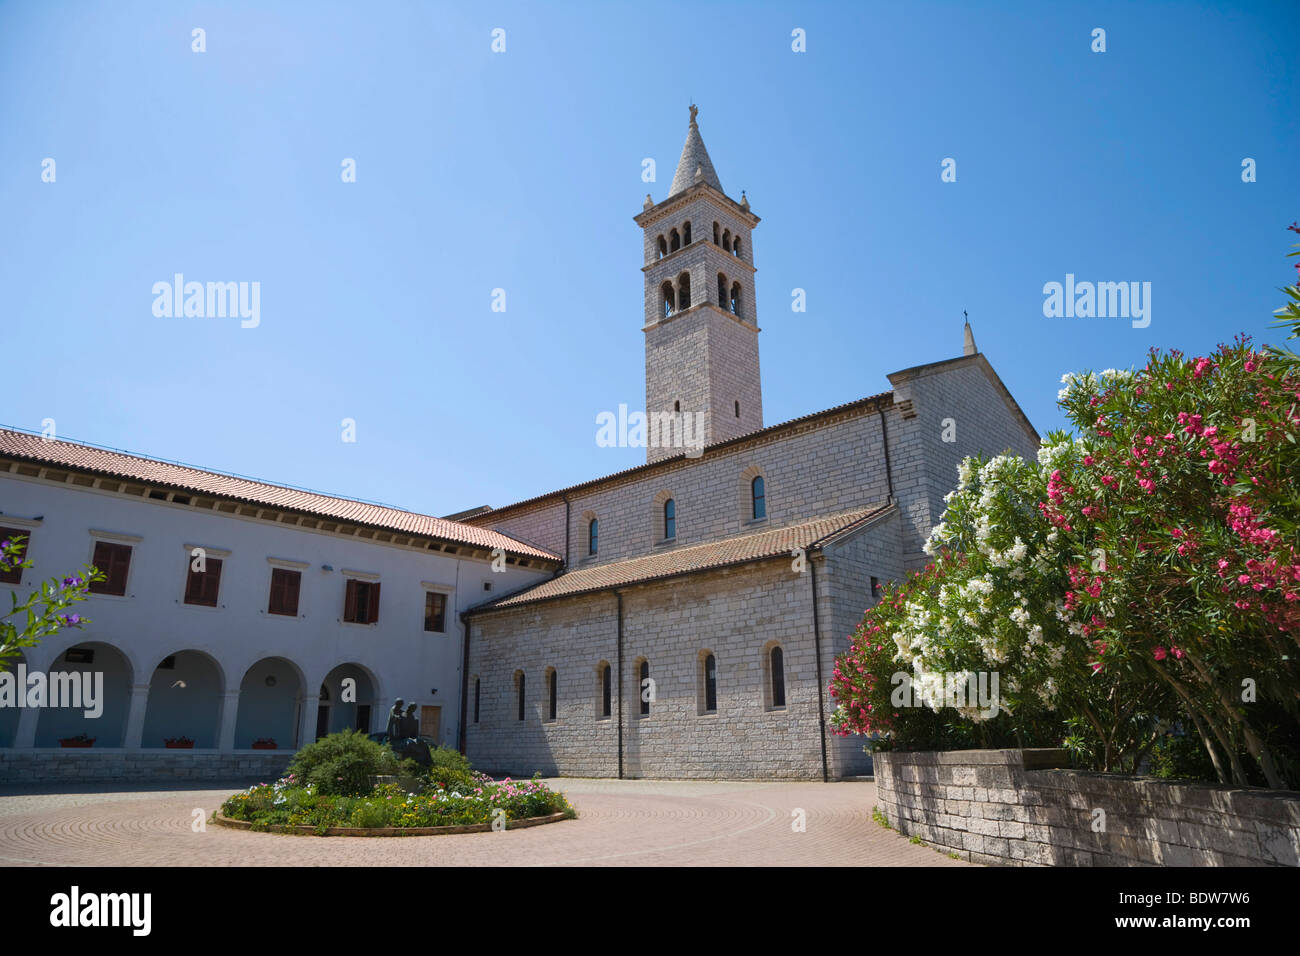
(701, 325)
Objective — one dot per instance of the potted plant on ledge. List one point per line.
(80, 740)
(264, 743)
(178, 743)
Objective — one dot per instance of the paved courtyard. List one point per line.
(621, 822)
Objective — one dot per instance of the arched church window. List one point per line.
(478, 689)
(677, 406)
(519, 684)
(674, 241)
(553, 689)
(684, 291)
(670, 519)
(593, 530)
(663, 247)
(726, 239)
(758, 496)
(717, 236)
(722, 290)
(737, 408)
(669, 298)
(606, 691)
(735, 248)
(686, 234)
(735, 300)
(710, 684)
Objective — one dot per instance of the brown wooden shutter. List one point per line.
(212, 582)
(275, 602)
(193, 584)
(292, 579)
(350, 602)
(373, 616)
(114, 560)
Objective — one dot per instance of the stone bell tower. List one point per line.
(701, 326)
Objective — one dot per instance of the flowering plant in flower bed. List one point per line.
(288, 802)
(1142, 572)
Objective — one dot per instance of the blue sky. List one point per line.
(522, 170)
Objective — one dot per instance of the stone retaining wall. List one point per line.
(1021, 808)
(58, 765)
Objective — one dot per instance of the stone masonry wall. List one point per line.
(1013, 807)
(737, 614)
(849, 565)
(134, 766)
(962, 398)
(836, 466)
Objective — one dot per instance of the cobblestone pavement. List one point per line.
(621, 822)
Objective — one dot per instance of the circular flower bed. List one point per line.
(481, 802)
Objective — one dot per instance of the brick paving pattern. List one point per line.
(622, 822)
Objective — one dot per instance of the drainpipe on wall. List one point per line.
(619, 596)
(567, 507)
(817, 644)
(889, 473)
(464, 682)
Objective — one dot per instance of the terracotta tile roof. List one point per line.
(485, 515)
(701, 557)
(119, 465)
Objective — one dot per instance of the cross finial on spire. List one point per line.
(968, 343)
(694, 111)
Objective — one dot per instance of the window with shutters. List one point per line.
(361, 602)
(201, 587)
(14, 574)
(115, 561)
(285, 585)
(435, 611)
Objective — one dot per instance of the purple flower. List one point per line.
(72, 620)
(73, 582)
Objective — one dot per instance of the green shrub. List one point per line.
(450, 759)
(372, 813)
(343, 763)
(1182, 758)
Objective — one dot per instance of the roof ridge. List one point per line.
(201, 470)
(731, 551)
(126, 466)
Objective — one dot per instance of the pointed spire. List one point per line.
(968, 343)
(695, 165)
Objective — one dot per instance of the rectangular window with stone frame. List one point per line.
(361, 602)
(435, 612)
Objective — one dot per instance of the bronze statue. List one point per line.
(394, 728)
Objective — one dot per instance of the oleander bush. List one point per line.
(1142, 573)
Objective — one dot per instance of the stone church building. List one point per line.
(705, 594)
(677, 619)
